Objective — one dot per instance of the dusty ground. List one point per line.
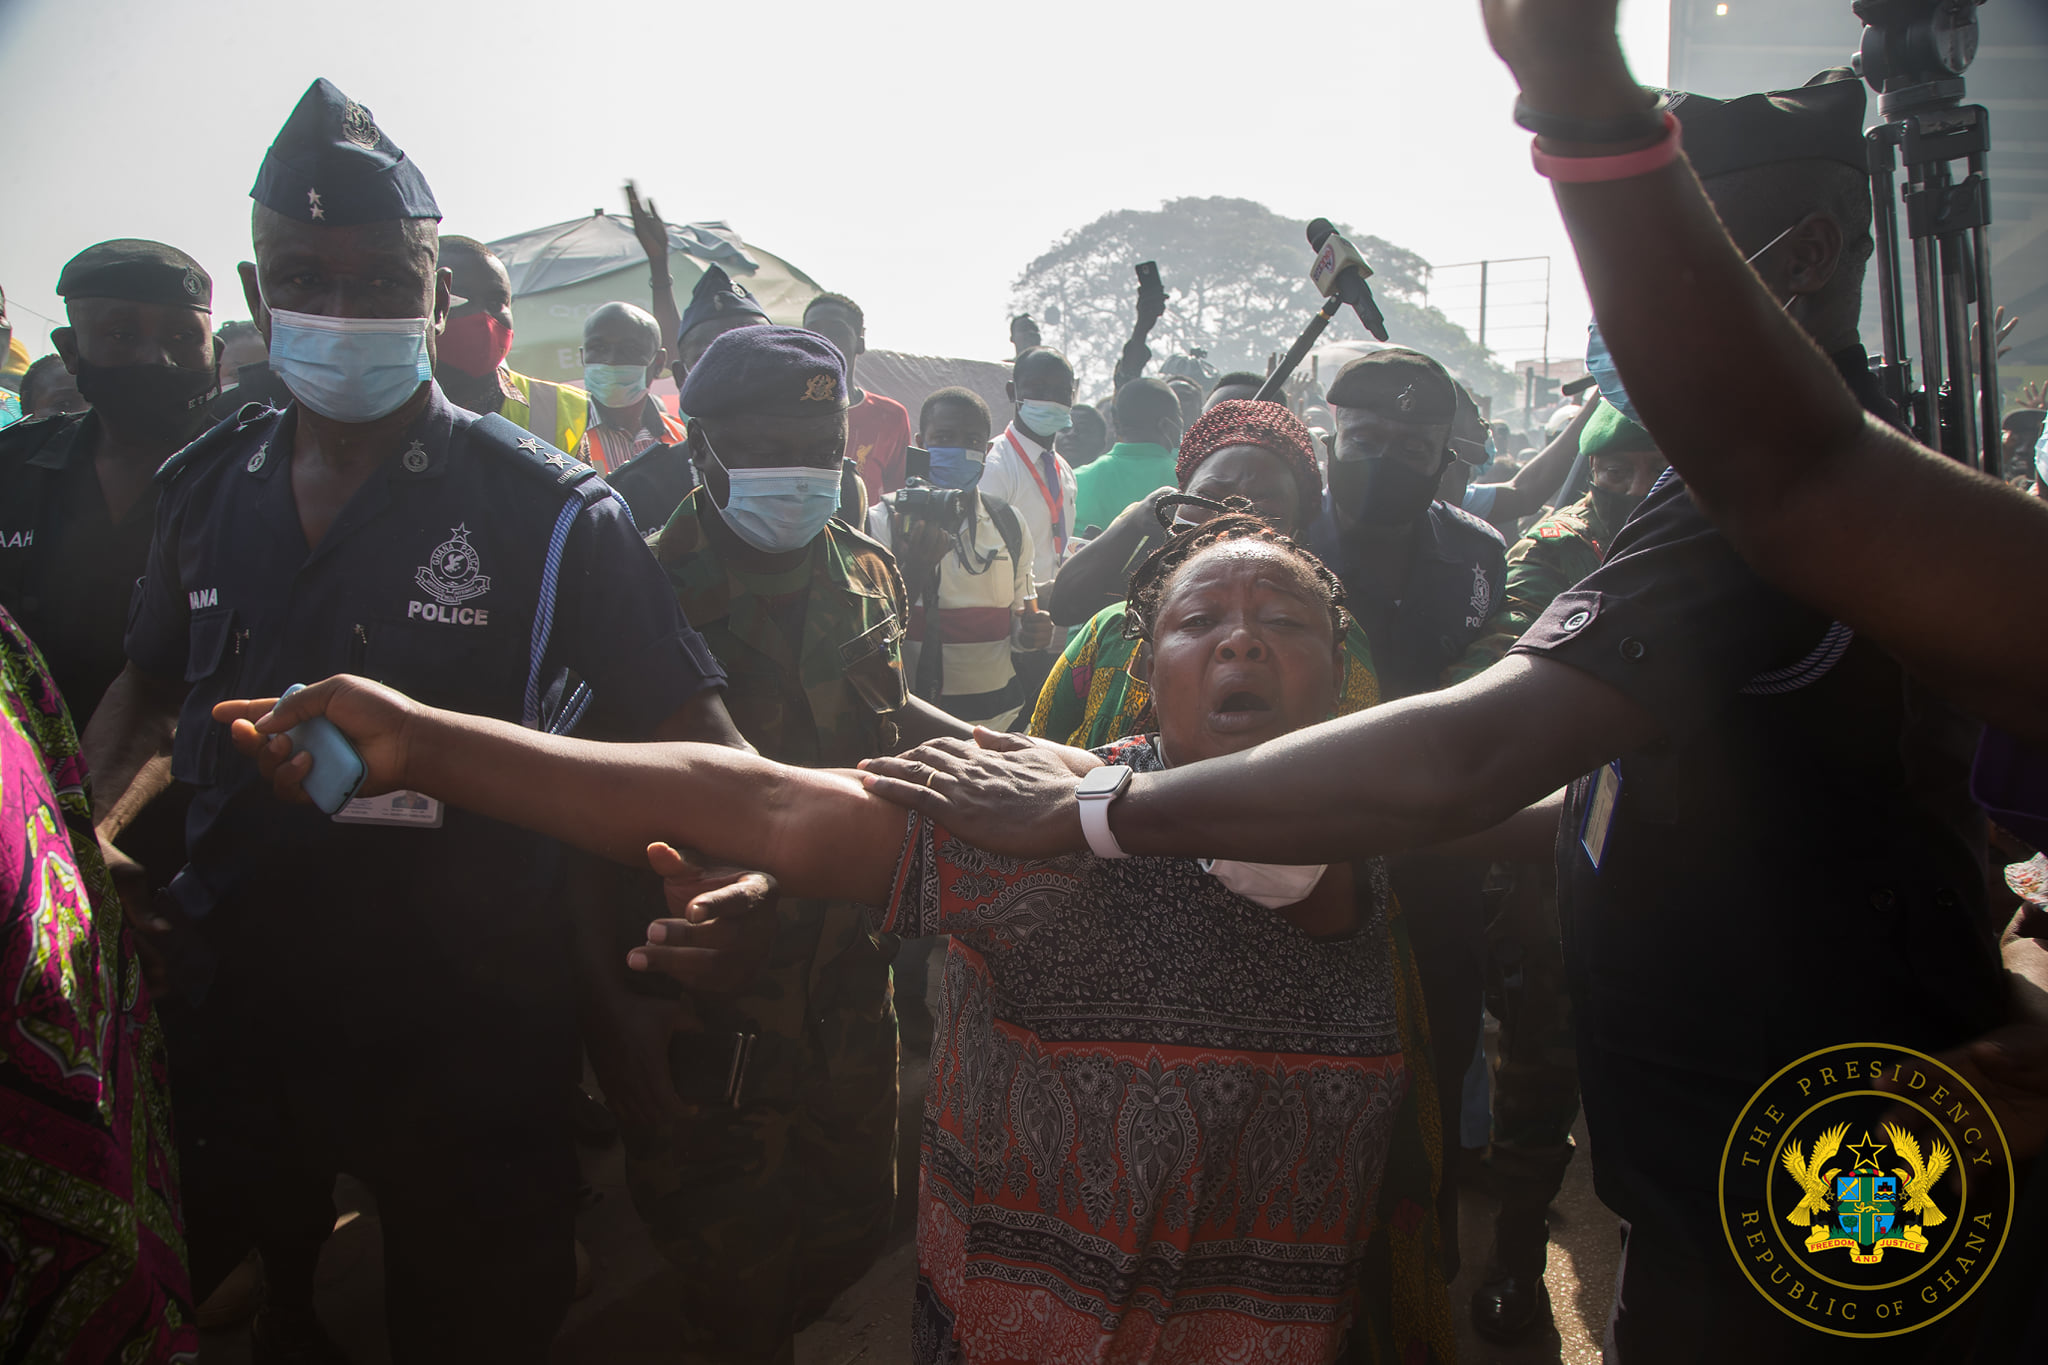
(628, 1318)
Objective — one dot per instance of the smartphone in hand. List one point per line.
(338, 770)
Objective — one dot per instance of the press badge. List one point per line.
(1599, 813)
(407, 809)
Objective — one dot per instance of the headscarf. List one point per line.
(1245, 422)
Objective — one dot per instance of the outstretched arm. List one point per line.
(1542, 479)
(1927, 558)
(653, 235)
(815, 831)
(1405, 775)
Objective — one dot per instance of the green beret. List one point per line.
(1820, 121)
(1399, 384)
(137, 271)
(1607, 432)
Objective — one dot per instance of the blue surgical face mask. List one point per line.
(616, 386)
(350, 369)
(955, 466)
(1047, 419)
(1600, 364)
(780, 510)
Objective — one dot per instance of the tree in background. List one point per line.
(1238, 276)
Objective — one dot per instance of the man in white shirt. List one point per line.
(969, 577)
(1025, 471)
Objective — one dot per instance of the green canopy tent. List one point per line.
(564, 272)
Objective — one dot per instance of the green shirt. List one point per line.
(1105, 487)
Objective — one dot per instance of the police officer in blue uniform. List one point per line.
(389, 991)
(1420, 577)
(77, 499)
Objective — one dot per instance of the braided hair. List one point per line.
(1234, 520)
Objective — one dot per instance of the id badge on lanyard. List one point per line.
(1599, 821)
(1055, 496)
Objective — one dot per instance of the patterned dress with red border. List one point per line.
(1159, 1113)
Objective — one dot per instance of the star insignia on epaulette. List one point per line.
(313, 205)
(530, 445)
(561, 461)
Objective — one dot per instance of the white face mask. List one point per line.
(1272, 885)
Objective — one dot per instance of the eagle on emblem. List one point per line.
(1811, 1178)
(1924, 1176)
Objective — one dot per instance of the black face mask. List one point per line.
(1382, 492)
(1614, 508)
(156, 403)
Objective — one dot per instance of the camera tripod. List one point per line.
(1914, 53)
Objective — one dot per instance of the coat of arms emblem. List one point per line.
(1871, 1204)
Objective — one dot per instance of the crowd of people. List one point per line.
(1242, 754)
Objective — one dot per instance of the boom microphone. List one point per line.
(1341, 272)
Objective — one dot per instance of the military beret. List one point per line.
(332, 164)
(137, 271)
(1607, 432)
(1820, 121)
(1404, 385)
(716, 296)
(766, 372)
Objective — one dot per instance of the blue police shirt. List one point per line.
(430, 580)
(1457, 567)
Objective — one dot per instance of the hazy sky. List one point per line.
(913, 154)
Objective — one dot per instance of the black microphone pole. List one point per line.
(1298, 352)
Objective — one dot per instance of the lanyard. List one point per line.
(1055, 497)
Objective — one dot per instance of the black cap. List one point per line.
(1820, 121)
(766, 372)
(716, 296)
(137, 271)
(332, 164)
(1397, 383)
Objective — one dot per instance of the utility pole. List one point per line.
(1484, 266)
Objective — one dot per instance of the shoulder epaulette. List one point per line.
(31, 434)
(1475, 524)
(216, 439)
(500, 436)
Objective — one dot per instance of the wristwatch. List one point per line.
(1096, 792)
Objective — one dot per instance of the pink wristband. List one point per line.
(1590, 170)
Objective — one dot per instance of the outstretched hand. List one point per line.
(373, 718)
(721, 926)
(1010, 794)
(648, 227)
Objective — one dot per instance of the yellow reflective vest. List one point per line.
(553, 412)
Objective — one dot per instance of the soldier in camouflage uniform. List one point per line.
(777, 1194)
(1536, 1084)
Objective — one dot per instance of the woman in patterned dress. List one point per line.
(1167, 1122)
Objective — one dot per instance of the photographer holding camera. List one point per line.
(966, 561)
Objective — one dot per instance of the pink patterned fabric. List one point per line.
(92, 1253)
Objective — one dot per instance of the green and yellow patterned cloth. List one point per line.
(1090, 697)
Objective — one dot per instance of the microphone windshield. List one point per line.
(1318, 232)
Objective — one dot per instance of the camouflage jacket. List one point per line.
(828, 707)
(1555, 554)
